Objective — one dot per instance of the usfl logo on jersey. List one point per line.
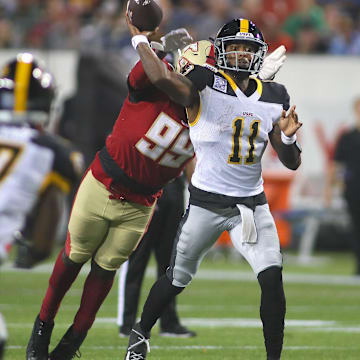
(220, 84)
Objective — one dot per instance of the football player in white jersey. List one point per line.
(36, 168)
(232, 115)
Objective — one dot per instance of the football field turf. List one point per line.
(222, 305)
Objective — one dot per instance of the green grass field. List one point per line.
(323, 313)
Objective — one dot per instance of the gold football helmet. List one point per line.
(197, 53)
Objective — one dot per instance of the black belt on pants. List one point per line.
(113, 170)
(207, 199)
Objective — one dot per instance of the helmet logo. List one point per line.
(245, 34)
(143, 2)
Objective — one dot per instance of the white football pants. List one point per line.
(202, 228)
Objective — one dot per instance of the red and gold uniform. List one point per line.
(149, 143)
(148, 147)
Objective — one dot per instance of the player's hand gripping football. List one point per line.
(135, 31)
(289, 123)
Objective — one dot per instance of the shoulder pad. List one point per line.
(276, 93)
(210, 67)
(201, 76)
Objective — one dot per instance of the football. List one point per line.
(146, 15)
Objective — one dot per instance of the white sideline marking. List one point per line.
(310, 325)
(297, 325)
(236, 322)
(224, 275)
(209, 347)
(213, 308)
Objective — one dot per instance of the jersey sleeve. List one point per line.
(139, 85)
(286, 99)
(68, 164)
(200, 76)
(138, 79)
(275, 93)
(340, 154)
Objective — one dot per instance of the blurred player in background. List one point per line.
(3, 336)
(37, 169)
(148, 147)
(231, 116)
(345, 173)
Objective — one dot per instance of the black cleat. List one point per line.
(38, 346)
(138, 344)
(68, 347)
(177, 331)
(124, 331)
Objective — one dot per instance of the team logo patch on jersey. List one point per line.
(220, 84)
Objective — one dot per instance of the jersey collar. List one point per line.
(254, 96)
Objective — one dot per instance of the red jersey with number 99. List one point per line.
(150, 139)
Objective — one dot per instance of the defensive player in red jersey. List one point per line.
(148, 147)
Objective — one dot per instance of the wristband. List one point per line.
(137, 39)
(288, 140)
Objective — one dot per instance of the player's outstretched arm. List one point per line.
(283, 139)
(41, 229)
(174, 40)
(179, 88)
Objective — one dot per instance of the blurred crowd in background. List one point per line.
(96, 31)
(304, 26)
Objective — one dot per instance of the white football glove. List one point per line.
(273, 63)
(172, 41)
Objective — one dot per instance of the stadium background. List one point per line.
(85, 44)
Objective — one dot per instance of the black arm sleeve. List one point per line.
(275, 93)
(200, 76)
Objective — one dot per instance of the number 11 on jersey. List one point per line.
(238, 128)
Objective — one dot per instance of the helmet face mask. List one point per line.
(240, 31)
(27, 92)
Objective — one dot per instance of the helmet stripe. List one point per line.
(244, 25)
(22, 82)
